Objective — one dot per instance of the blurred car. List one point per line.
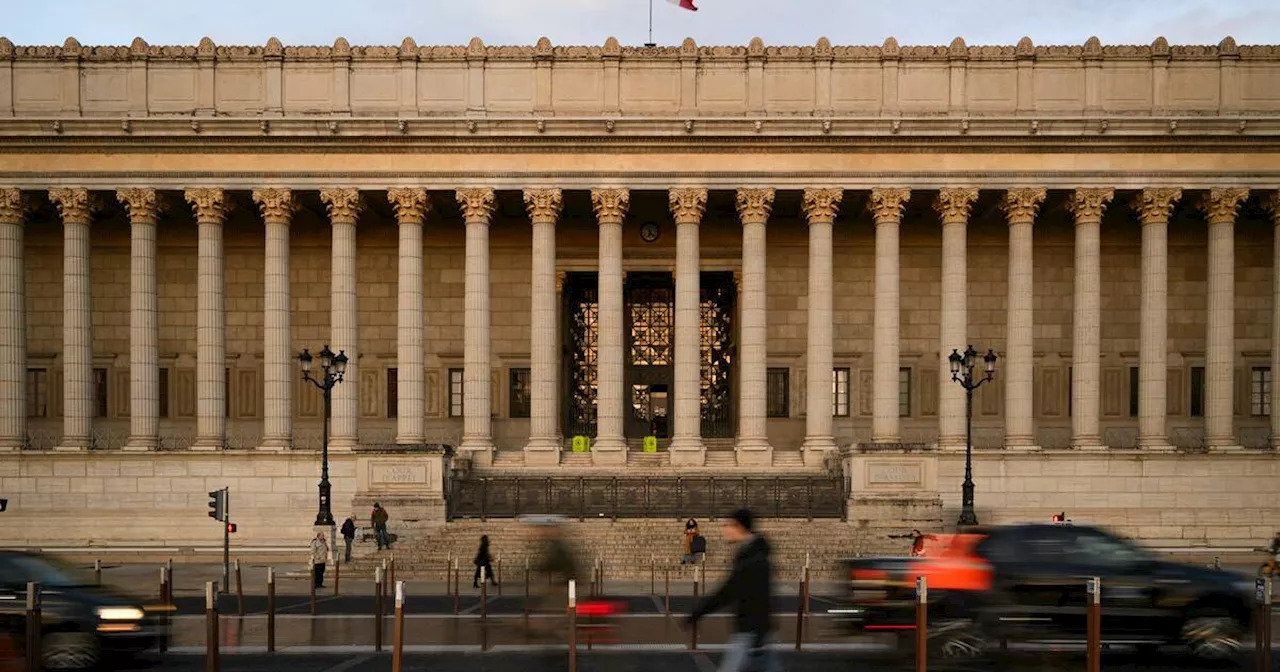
(1029, 583)
(82, 624)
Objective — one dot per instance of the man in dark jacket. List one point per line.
(348, 535)
(749, 589)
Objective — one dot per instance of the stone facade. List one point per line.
(178, 223)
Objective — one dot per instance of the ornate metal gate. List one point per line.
(719, 300)
(582, 330)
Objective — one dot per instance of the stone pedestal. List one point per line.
(892, 491)
(407, 480)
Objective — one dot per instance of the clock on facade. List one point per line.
(649, 232)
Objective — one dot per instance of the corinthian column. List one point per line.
(477, 438)
(886, 206)
(144, 335)
(1154, 208)
(820, 208)
(953, 206)
(1220, 206)
(13, 321)
(754, 206)
(277, 207)
(1087, 205)
(544, 445)
(611, 208)
(210, 206)
(1273, 205)
(687, 207)
(411, 206)
(1020, 206)
(77, 319)
(344, 209)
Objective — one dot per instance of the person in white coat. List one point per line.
(319, 556)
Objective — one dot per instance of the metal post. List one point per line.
(497, 576)
(211, 627)
(800, 615)
(397, 646)
(922, 624)
(484, 610)
(653, 575)
(166, 599)
(226, 540)
(271, 610)
(97, 572)
(526, 588)
(804, 602)
(377, 609)
(337, 577)
(239, 591)
(1262, 624)
(968, 516)
(573, 626)
(666, 577)
(455, 588)
(34, 626)
(312, 581)
(1093, 640)
(693, 629)
(391, 578)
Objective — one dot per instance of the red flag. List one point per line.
(684, 4)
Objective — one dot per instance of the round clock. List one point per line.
(649, 232)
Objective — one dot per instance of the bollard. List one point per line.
(497, 575)
(97, 572)
(173, 582)
(666, 576)
(271, 610)
(455, 588)
(693, 629)
(385, 576)
(653, 576)
(526, 590)
(1262, 624)
(312, 581)
(391, 578)
(922, 624)
(239, 591)
(337, 576)
(484, 610)
(34, 626)
(397, 646)
(800, 614)
(377, 609)
(166, 598)
(448, 566)
(211, 627)
(573, 626)
(1093, 627)
(806, 588)
(702, 567)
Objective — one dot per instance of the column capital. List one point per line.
(754, 205)
(886, 204)
(1272, 204)
(543, 205)
(343, 204)
(1088, 204)
(821, 205)
(687, 205)
(610, 205)
(477, 204)
(1020, 205)
(1155, 205)
(411, 204)
(1221, 204)
(954, 204)
(277, 205)
(75, 205)
(143, 205)
(13, 206)
(210, 205)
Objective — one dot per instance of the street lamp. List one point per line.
(332, 367)
(962, 366)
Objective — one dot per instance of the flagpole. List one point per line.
(650, 43)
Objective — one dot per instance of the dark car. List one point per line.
(1029, 583)
(82, 623)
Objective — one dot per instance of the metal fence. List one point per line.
(652, 497)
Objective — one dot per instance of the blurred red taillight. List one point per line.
(599, 608)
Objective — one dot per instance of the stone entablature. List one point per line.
(613, 80)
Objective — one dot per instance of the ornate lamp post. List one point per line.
(332, 367)
(962, 366)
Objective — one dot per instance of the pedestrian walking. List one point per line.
(348, 536)
(749, 591)
(319, 556)
(483, 561)
(690, 535)
(379, 518)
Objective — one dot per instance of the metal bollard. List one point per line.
(271, 610)
(1262, 624)
(311, 579)
(800, 615)
(1093, 626)
(456, 588)
(166, 598)
(922, 624)
(97, 572)
(173, 582)
(653, 576)
(693, 629)
(497, 575)
(377, 609)
(239, 591)
(484, 610)
(666, 576)
(385, 576)
(573, 626)
(391, 576)
(397, 646)
(211, 648)
(337, 576)
(34, 626)
(806, 588)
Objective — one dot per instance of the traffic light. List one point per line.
(218, 505)
(231, 528)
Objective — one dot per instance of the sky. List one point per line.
(590, 22)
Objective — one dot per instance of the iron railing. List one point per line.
(646, 497)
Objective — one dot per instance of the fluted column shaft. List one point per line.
(279, 367)
(1086, 371)
(1221, 206)
(144, 335)
(544, 207)
(886, 206)
(77, 320)
(820, 209)
(687, 207)
(610, 206)
(477, 209)
(13, 322)
(754, 206)
(953, 206)
(1020, 207)
(211, 319)
(411, 206)
(1154, 208)
(1273, 205)
(344, 209)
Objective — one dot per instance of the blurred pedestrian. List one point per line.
(379, 518)
(483, 561)
(348, 536)
(319, 556)
(748, 589)
(690, 534)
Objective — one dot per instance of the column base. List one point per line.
(209, 443)
(687, 452)
(477, 449)
(815, 449)
(1228, 448)
(10, 446)
(140, 444)
(610, 457)
(541, 456)
(72, 447)
(609, 445)
(755, 456)
(1275, 443)
(276, 443)
(952, 445)
(1021, 445)
(415, 440)
(1090, 447)
(345, 445)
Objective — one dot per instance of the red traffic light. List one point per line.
(231, 528)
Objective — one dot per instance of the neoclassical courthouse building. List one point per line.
(760, 255)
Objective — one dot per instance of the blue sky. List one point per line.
(591, 21)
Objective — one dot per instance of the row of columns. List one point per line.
(544, 206)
